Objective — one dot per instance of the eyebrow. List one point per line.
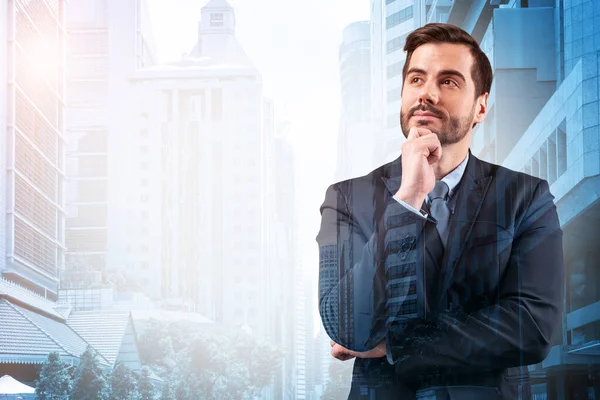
(442, 72)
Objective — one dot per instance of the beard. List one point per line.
(453, 130)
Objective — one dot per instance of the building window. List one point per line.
(393, 121)
(217, 104)
(552, 159)
(543, 157)
(535, 167)
(561, 147)
(399, 17)
(394, 95)
(405, 308)
(402, 271)
(395, 70)
(396, 44)
(216, 20)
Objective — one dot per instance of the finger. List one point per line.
(413, 133)
(424, 131)
(340, 350)
(331, 342)
(340, 353)
(416, 132)
(424, 145)
(432, 148)
(435, 155)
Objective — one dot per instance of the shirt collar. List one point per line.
(455, 175)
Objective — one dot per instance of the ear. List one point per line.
(480, 108)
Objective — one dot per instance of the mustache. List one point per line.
(426, 108)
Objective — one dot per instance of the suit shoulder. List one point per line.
(510, 177)
(368, 180)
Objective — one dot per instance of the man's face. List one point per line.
(439, 92)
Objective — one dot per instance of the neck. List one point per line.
(452, 156)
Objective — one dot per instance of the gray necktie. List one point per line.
(439, 208)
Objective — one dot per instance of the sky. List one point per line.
(295, 46)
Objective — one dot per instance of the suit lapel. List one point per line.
(471, 193)
(392, 176)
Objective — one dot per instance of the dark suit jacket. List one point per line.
(493, 308)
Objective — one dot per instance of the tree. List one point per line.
(146, 388)
(338, 384)
(155, 344)
(89, 382)
(265, 359)
(55, 381)
(123, 383)
(167, 392)
(208, 364)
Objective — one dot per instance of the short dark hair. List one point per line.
(481, 71)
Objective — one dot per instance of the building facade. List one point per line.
(543, 120)
(32, 50)
(225, 214)
(391, 22)
(107, 41)
(289, 316)
(355, 139)
(202, 117)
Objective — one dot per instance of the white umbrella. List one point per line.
(9, 385)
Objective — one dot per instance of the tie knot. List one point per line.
(440, 190)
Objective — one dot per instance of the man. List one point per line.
(439, 270)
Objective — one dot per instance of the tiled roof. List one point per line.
(104, 330)
(26, 336)
(12, 290)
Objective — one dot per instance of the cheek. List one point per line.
(406, 102)
(460, 110)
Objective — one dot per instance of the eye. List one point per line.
(449, 82)
(414, 79)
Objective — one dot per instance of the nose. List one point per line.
(429, 93)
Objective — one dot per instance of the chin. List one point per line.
(426, 123)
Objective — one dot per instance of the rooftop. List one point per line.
(28, 337)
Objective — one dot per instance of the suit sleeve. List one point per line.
(518, 330)
(352, 277)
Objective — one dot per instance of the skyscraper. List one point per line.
(32, 43)
(204, 119)
(542, 119)
(355, 140)
(107, 41)
(391, 23)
